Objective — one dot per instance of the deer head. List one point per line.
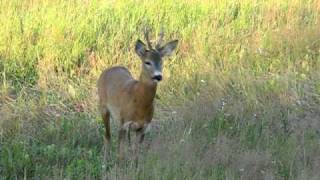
(152, 58)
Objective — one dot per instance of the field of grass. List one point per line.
(240, 98)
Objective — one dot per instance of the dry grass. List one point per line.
(239, 100)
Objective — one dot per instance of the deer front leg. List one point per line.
(123, 132)
(136, 145)
(146, 128)
(128, 126)
(140, 134)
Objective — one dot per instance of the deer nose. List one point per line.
(157, 77)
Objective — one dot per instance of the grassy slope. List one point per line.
(240, 99)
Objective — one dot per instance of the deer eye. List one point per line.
(147, 63)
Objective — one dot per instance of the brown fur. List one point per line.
(130, 101)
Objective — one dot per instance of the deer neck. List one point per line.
(147, 88)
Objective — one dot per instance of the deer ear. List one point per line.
(140, 48)
(168, 48)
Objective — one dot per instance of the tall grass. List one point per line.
(240, 98)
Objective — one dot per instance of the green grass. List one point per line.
(240, 98)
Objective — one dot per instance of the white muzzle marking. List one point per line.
(157, 73)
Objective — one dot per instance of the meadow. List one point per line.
(240, 98)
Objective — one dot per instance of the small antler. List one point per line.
(146, 36)
(161, 34)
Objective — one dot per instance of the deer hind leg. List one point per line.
(106, 121)
(105, 113)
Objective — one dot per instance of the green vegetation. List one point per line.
(239, 100)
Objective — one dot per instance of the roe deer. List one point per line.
(130, 101)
